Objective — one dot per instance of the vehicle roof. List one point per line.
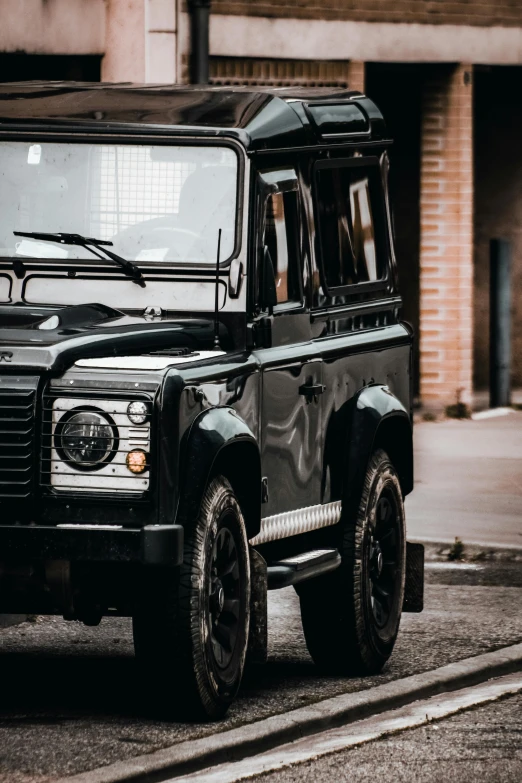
(259, 117)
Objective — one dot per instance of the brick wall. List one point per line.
(470, 12)
(446, 253)
(283, 73)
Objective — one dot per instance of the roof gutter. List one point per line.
(200, 15)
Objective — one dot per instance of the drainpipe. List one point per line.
(500, 324)
(200, 13)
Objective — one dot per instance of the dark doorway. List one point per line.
(498, 203)
(396, 88)
(54, 67)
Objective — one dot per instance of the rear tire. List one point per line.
(351, 617)
(192, 635)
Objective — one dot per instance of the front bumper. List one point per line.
(153, 545)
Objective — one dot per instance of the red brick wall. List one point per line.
(446, 239)
(473, 12)
(282, 73)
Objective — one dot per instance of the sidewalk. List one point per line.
(468, 482)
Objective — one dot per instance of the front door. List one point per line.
(291, 442)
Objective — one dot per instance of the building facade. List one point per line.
(447, 76)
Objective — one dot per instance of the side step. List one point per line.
(296, 569)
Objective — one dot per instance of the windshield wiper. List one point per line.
(128, 268)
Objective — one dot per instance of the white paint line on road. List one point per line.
(435, 565)
(334, 740)
(491, 413)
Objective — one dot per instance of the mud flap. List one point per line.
(257, 651)
(414, 587)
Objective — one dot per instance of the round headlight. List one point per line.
(87, 439)
(138, 412)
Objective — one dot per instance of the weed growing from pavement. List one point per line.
(456, 551)
(458, 411)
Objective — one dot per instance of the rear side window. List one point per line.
(351, 224)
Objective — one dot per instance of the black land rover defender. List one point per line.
(205, 386)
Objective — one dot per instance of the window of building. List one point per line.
(350, 209)
(279, 236)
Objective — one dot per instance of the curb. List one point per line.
(248, 740)
(8, 620)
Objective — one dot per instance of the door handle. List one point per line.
(311, 390)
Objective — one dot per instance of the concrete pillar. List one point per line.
(446, 239)
(141, 41)
(356, 75)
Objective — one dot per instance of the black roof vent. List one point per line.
(336, 119)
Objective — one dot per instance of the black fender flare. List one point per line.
(378, 420)
(220, 442)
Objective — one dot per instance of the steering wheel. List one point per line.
(162, 237)
(160, 234)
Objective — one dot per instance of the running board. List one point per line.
(296, 569)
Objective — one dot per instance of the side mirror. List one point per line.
(267, 287)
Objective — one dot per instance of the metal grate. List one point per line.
(17, 414)
(129, 187)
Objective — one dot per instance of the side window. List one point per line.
(280, 237)
(351, 228)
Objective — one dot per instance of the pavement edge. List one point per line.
(192, 755)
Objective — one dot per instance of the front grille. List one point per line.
(17, 415)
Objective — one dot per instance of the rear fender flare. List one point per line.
(378, 420)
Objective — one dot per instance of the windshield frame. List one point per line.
(116, 137)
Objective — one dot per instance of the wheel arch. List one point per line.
(394, 435)
(379, 420)
(221, 443)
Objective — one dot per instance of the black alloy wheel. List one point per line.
(191, 632)
(351, 617)
(225, 597)
(384, 558)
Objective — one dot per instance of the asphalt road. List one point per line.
(480, 744)
(468, 481)
(69, 697)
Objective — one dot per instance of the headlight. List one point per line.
(87, 439)
(95, 446)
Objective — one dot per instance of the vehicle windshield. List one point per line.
(155, 203)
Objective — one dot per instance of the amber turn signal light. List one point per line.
(136, 461)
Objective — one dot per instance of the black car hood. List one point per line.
(52, 340)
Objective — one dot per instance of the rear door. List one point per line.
(356, 302)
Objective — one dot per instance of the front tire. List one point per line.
(351, 617)
(193, 634)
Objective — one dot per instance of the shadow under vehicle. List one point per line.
(205, 385)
